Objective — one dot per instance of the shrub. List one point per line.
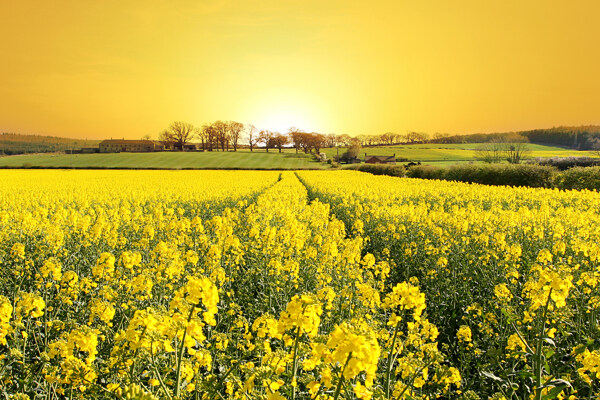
(503, 174)
(382, 169)
(564, 163)
(579, 178)
(425, 172)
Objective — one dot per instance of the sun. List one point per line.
(281, 116)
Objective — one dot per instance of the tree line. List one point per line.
(578, 137)
(226, 135)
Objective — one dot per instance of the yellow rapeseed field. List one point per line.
(316, 285)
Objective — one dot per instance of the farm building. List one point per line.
(121, 145)
(380, 159)
(171, 145)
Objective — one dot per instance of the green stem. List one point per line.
(132, 368)
(414, 377)
(162, 384)
(538, 352)
(295, 363)
(339, 385)
(521, 337)
(389, 362)
(182, 348)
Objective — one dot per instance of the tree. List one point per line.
(513, 148)
(235, 131)
(415, 137)
(209, 136)
(388, 137)
(252, 138)
(203, 134)
(491, 152)
(265, 137)
(594, 144)
(146, 137)
(221, 133)
(516, 152)
(279, 140)
(352, 152)
(164, 136)
(344, 140)
(179, 132)
(331, 140)
(297, 137)
(315, 141)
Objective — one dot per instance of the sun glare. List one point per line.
(279, 117)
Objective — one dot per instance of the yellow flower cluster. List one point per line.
(545, 284)
(309, 285)
(6, 310)
(303, 313)
(464, 334)
(590, 365)
(405, 296)
(520, 266)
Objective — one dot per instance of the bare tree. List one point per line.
(222, 133)
(516, 152)
(415, 137)
(180, 133)
(491, 152)
(513, 148)
(252, 138)
(235, 132)
(202, 134)
(146, 137)
(209, 136)
(388, 137)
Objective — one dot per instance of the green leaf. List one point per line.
(492, 376)
(525, 374)
(553, 393)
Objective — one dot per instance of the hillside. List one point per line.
(451, 153)
(14, 143)
(576, 137)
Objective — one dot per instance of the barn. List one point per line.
(380, 159)
(122, 145)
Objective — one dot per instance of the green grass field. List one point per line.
(435, 154)
(213, 160)
(446, 154)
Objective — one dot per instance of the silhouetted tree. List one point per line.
(235, 131)
(252, 138)
(297, 137)
(279, 140)
(222, 133)
(491, 152)
(265, 137)
(180, 133)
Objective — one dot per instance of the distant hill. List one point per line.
(14, 143)
(575, 137)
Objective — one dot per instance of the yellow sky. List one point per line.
(107, 68)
